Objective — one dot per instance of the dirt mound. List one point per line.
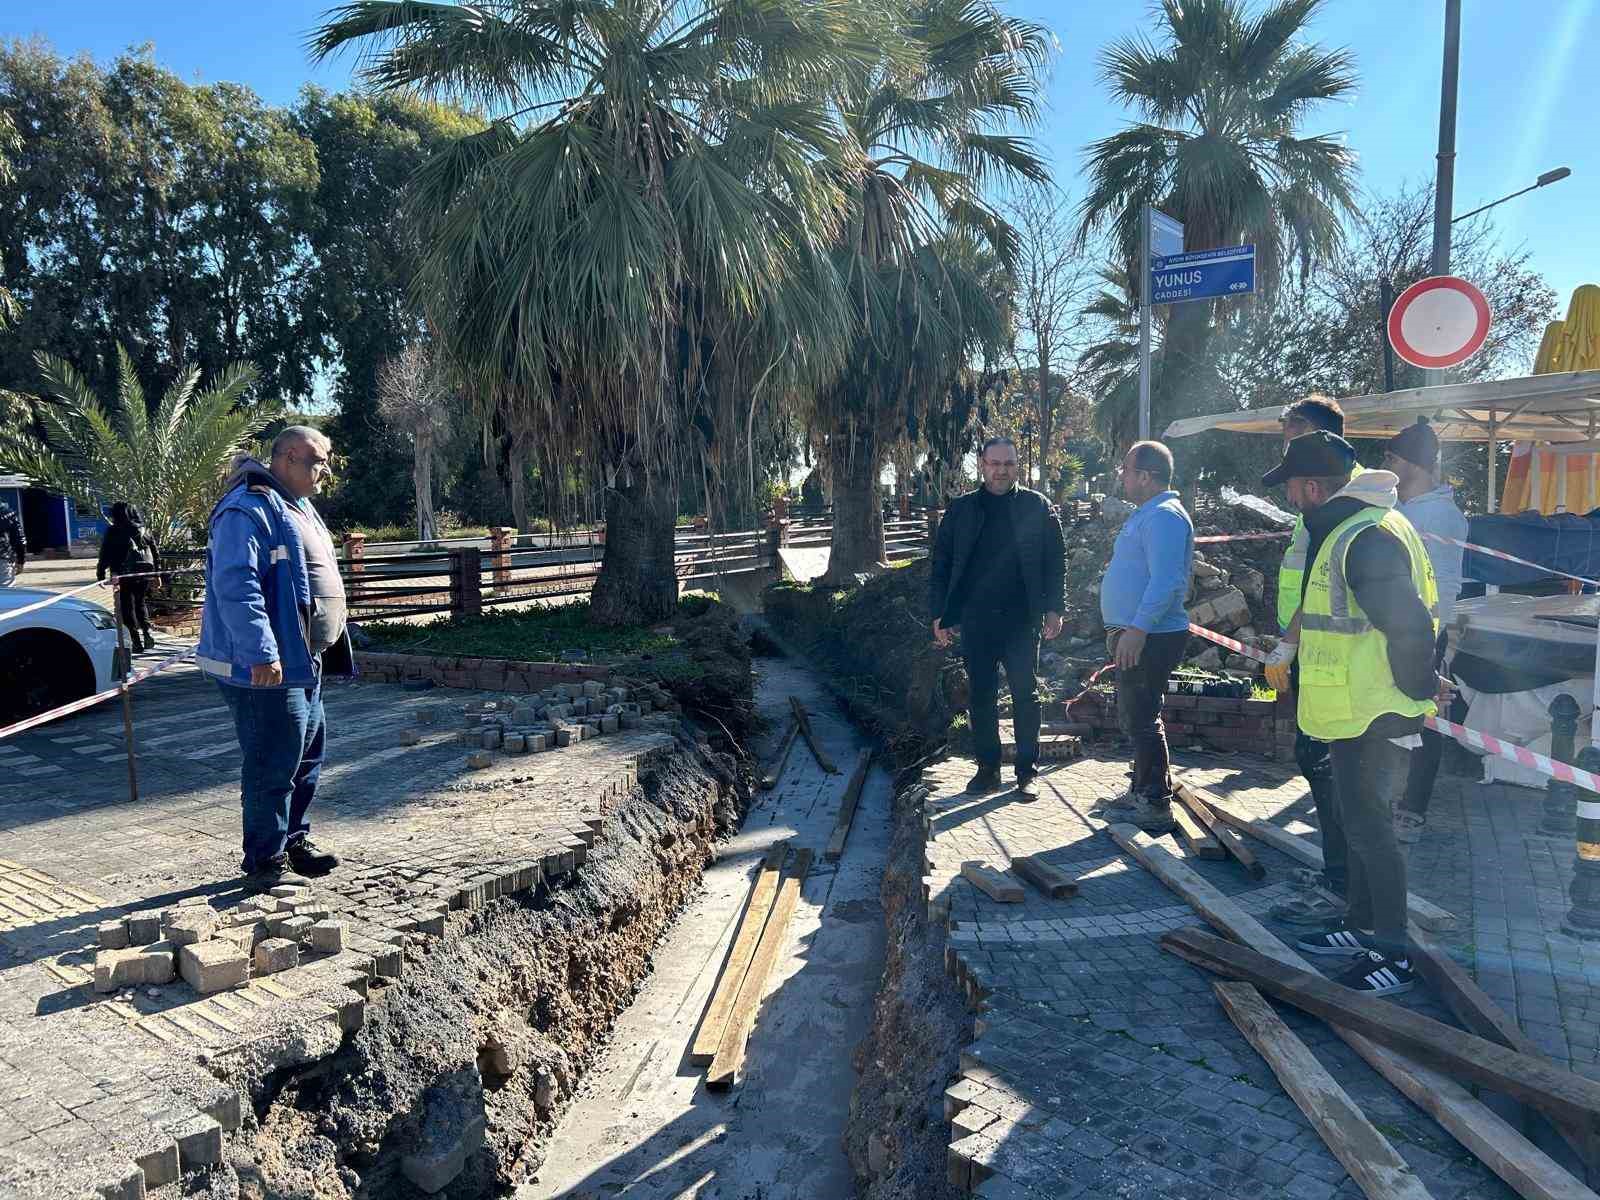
(707, 670)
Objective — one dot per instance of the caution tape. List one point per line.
(1501, 554)
(64, 710)
(1088, 684)
(1219, 639)
(11, 613)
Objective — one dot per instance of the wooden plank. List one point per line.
(775, 771)
(1195, 838)
(1525, 1168)
(847, 806)
(1048, 878)
(709, 1036)
(1228, 837)
(1339, 1122)
(804, 719)
(729, 1061)
(1464, 1055)
(1423, 912)
(997, 885)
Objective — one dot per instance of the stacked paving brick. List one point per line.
(486, 674)
(554, 719)
(1265, 727)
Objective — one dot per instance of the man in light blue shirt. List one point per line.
(1147, 626)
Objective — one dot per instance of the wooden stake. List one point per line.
(1047, 877)
(997, 885)
(729, 1062)
(775, 771)
(1226, 836)
(847, 806)
(1196, 838)
(709, 1035)
(804, 719)
(1364, 1152)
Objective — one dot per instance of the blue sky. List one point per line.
(1523, 109)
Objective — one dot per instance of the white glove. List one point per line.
(1278, 665)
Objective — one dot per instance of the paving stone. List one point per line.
(276, 954)
(213, 966)
(158, 963)
(112, 935)
(115, 969)
(327, 937)
(188, 926)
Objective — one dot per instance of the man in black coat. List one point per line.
(13, 547)
(998, 577)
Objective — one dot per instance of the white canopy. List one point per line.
(1563, 406)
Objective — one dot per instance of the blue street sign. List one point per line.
(1166, 235)
(1203, 275)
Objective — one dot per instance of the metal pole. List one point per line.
(1144, 323)
(1445, 177)
(1490, 503)
(126, 662)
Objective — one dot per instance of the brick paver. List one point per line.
(118, 1091)
(1103, 1066)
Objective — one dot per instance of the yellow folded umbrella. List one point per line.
(1549, 349)
(1580, 332)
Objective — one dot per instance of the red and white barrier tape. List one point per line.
(1236, 647)
(1501, 554)
(1088, 684)
(45, 718)
(10, 613)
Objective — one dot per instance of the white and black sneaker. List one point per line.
(1335, 941)
(1378, 975)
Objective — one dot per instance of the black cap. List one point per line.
(1416, 444)
(1315, 455)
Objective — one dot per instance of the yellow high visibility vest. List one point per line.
(1291, 575)
(1345, 680)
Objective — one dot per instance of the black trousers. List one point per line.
(986, 645)
(1140, 692)
(1316, 765)
(1369, 774)
(135, 611)
(1425, 760)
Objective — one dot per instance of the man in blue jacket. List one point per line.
(1147, 626)
(272, 626)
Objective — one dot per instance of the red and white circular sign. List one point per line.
(1438, 322)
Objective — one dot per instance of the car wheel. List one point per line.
(41, 669)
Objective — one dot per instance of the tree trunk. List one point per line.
(518, 483)
(1047, 418)
(638, 582)
(422, 479)
(855, 461)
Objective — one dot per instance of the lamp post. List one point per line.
(1549, 177)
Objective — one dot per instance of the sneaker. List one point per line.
(1027, 789)
(305, 858)
(1118, 808)
(1408, 827)
(985, 781)
(1378, 975)
(1336, 941)
(273, 873)
(1153, 816)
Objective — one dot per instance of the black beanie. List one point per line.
(1416, 444)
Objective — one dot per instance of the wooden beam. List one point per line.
(1047, 877)
(1465, 1055)
(775, 771)
(1195, 838)
(1228, 837)
(997, 885)
(1423, 912)
(804, 719)
(1343, 1127)
(729, 1062)
(709, 1036)
(1526, 1169)
(847, 806)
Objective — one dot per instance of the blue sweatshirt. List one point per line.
(1148, 579)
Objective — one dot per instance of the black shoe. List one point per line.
(1378, 975)
(1027, 790)
(149, 638)
(1336, 941)
(273, 873)
(985, 781)
(308, 860)
(134, 643)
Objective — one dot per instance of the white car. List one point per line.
(52, 655)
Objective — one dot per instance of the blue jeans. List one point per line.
(282, 732)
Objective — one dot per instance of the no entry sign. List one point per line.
(1438, 322)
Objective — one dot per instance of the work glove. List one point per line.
(1278, 663)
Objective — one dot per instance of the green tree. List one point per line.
(654, 179)
(1223, 98)
(168, 463)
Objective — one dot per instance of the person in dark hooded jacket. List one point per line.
(128, 549)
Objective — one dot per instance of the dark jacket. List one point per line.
(125, 548)
(1037, 528)
(1379, 571)
(12, 544)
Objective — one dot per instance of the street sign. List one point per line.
(1203, 275)
(1439, 322)
(1166, 235)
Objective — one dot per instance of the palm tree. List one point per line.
(1223, 98)
(169, 466)
(923, 254)
(652, 183)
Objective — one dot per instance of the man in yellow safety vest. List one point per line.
(1366, 681)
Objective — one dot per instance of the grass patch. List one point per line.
(530, 635)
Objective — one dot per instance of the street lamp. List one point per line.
(1548, 177)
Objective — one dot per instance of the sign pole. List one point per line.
(1144, 323)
